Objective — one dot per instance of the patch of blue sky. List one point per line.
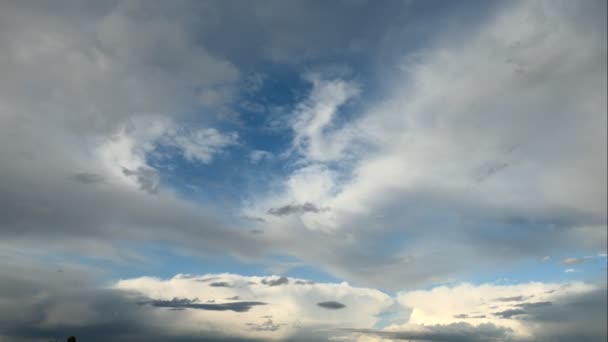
(162, 262)
(158, 260)
(265, 106)
(395, 314)
(296, 268)
(550, 269)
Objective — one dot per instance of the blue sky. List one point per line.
(303, 170)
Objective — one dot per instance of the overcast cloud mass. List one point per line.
(293, 170)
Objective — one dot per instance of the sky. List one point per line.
(345, 170)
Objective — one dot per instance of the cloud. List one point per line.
(315, 116)
(448, 333)
(511, 299)
(129, 84)
(147, 178)
(199, 145)
(258, 156)
(292, 307)
(220, 284)
(517, 317)
(87, 178)
(466, 316)
(331, 305)
(304, 282)
(510, 313)
(292, 209)
(409, 164)
(275, 282)
(573, 261)
(53, 304)
(267, 325)
(184, 303)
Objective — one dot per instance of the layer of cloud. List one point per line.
(268, 307)
(41, 303)
(512, 308)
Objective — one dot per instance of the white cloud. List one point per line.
(573, 261)
(258, 156)
(519, 312)
(487, 303)
(124, 153)
(291, 304)
(313, 119)
(199, 144)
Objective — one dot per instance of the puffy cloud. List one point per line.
(291, 306)
(509, 307)
(50, 300)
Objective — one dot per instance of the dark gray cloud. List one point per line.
(332, 305)
(469, 316)
(267, 325)
(39, 304)
(148, 179)
(534, 305)
(87, 178)
(304, 282)
(571, 317)
(510, 313)
(255, 219)
(489, 169)
(511, 299)
(220, 284)
(184, 303)
(521, 309)
(457, 332)
(295, 209)
(275, 282)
